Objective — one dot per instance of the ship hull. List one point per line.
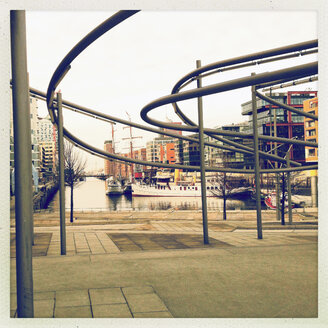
(168, 191)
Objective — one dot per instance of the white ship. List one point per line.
(163, 188)
(113, 187)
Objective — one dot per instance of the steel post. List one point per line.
(23, 165)
(289, 193)
(202, 159)
(314, 188)
(257, 164)
(61, 176)
(276, 165)
(283, 199)
(32, 221)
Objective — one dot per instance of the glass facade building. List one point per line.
(289, 125)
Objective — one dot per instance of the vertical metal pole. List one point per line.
(202, 159)
(289, 193)
(314, 188)
(61, 176)
(283, 200)
(257, 164)
(276, 166)
(23, 165)
(32, 222)
(271, 143)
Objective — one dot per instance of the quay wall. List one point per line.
(44, 196)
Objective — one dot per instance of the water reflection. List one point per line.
(90, 195)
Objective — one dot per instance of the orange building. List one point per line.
(311, 129)
(170, 153)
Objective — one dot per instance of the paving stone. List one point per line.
(107, 243)
(145, 303)
(106, 296)
(72, 298)
(44, 308)
(43, 296)
(97, 250)
(13, 301)
(73, 312)
(111, 311)
(162, 314)
(137, 290)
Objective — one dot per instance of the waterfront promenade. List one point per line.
(154, 265)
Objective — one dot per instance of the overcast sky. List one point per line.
(142, 58)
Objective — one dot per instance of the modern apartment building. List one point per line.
(311, 129)
(289, 125)
(47, 138)
(191, 155)
(34, 139)
(222, 157)
(161, 150)
(47, 158)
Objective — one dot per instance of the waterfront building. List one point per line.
(47, 159)
(178, 149)
(191, 155)
(311, 129)
(109, 166)
(140, 169)
(47, 138)
(226, 158)
(46, 131)
(289, 125)
(34, 140)
(34, 136)
(161, 150)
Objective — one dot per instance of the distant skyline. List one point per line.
(142, 58)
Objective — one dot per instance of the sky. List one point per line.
(142, 58)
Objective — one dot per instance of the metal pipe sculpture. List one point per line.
(255, 81)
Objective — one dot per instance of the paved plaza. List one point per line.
(150, 266)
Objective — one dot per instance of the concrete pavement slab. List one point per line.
(145, 303)
(106, 296)
(44, 308)
(140, 290)
(44, 295)
(111, 311)
(157, 314)
(66, 298)
(73, 312)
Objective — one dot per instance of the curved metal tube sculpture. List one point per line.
(266, 79)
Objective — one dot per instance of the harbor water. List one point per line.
(90, 195)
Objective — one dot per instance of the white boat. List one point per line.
(113, 187)
(241, 192)
(127, 189)
(163, 188)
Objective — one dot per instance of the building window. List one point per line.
(311, 152)
(309, 124)
(310, 133)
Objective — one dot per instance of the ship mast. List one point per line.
(131, 145)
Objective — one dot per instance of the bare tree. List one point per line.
(225, 191)
(74, 169)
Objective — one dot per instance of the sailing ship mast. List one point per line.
(131, 145)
